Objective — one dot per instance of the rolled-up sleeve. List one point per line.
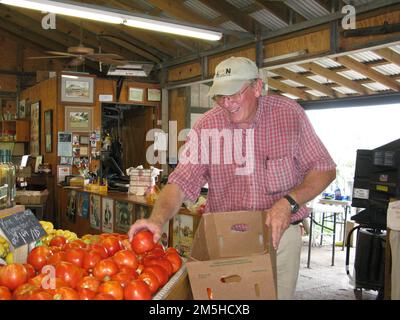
(190, 174)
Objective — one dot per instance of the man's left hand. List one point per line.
(278, 220)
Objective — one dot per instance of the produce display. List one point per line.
(93, 267)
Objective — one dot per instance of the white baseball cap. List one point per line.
(231, 74)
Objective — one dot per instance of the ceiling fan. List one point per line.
(80, 53)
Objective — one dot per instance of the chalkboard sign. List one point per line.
(21, 228)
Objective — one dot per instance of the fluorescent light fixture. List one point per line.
(286, 56)
(91, 12)
(69, 77)
(132, 69)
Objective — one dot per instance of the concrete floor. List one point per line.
(325, 282)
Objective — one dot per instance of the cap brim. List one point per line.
(226, 88)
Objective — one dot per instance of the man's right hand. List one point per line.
(143, 224)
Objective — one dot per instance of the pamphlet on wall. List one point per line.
(64, 144)
(63, 171)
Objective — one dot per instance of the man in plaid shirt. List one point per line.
(270, 159)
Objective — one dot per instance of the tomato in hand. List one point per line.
(13, 275)
(142, 241)
(5, 293)
(125, 258)
(137, 290)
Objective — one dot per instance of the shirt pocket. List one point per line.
(280, 175)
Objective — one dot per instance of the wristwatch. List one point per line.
(293, 204)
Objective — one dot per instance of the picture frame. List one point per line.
(183, 234)
(84, 140)
(78, 119)
(124, 214)
(66, 160)
(72, 205)
(77, 88)
(22, 109)
(107, 213)
(135, 94)
(48, 130)
(141, 212)
(95, 212)
(35, 129)
(153, 94)
(82, 209)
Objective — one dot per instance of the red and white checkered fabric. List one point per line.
(286, 148)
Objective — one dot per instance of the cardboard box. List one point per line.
(232, 258)
(31, 197)
(20, 254)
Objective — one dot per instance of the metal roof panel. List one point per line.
(366, 56)
(344, 90)
(240, 3)
(316, 93)
(328, 63)
(295, 68)
(357, 2)
(307, 8)
(292, 83)
(201, 9)
(232, 26)
(268, 19)
(376, 86)
(390, 69)
(352, 75)
(320, 79)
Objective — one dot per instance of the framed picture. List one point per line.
(38, 162)
(77, 89)
(124, 214)
(108, 215)
(66, 160)
(82, 209)
(78, 119)
(22, 109)
(164, 240)
(182, 234)
(48, 130)
(153, 94)
(35, 129)
(135, 94)
(72, 205)
(95, 211)
(84, 140)
(141, 212)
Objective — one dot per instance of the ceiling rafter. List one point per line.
(288, 89)
(234, 14)
(389, 55)
(333, 76)
(368, 72)
(306, 81)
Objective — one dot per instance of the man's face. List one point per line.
(241, 107)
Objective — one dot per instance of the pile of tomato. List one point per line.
(112, 268)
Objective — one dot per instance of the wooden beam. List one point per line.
(368, 72)
(288, 89)
(234, 14)
(333, 76)
(305, 81)
(389, 55)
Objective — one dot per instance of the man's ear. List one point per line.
(258, 88)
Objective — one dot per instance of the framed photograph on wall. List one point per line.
(124, 215)
(107, 212)
(77, 89)
(153, 94)
(22, 109)
(72, 205)
(182, 234)
(135, 94)
(95, 211)
(35, 129)
(78, 119)
(48, 130)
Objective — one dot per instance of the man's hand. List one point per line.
(278, 220)
(141, 224)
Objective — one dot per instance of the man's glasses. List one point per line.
(234, 98)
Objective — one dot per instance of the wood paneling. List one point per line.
(178, 109)
(184, 72)
(248, 52)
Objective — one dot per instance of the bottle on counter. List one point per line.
(338, 193)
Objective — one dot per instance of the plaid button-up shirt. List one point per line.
(286, 148)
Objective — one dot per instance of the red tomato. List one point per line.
(142, 241)
(125, 258)
(172, 250)
(175, 260)
(5, 293)
(156, 253)
(86, 294)
(79, 243)
(37, 281)
(90, 260)
(105, 269)
(52, 286)
(69, 272)
(162, 262)
(56, 258)
(151, 280)
(24, 291)
(159, 272)
(112, 245)
(88, 282)
(158, 246)
(58, 241)
(38, 257)
(30, 270)
(123, 278)
(137, 290)
(104, 296)
(13, 275)
(65, 293)
(41, 295)
(100, 249)
(75, 256)
(130, 271)
(112, 288)
(125, 244)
